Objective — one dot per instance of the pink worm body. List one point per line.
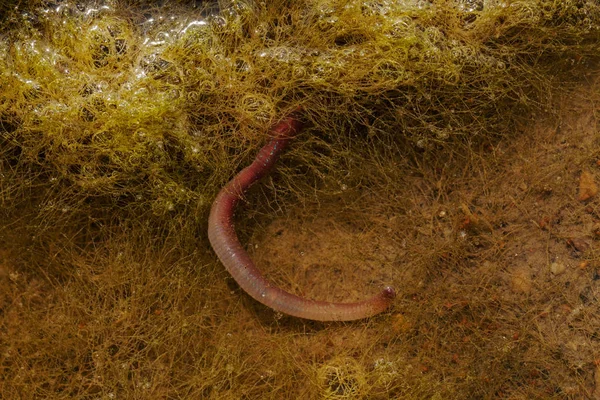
(228, 248)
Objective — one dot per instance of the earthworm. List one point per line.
(224, 241)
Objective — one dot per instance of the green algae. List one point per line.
(144, 111)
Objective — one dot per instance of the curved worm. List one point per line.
(228, 248)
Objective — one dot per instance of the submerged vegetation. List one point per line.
(120, 121)
(112, 109)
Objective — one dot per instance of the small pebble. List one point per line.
(578, 244)
(401, 324)
(521, 280)
(587, 186)
(557, 268)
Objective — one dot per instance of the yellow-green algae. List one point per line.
(111, 111)
(117, 109)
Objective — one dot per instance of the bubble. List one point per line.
(242, 66)
(96, 11)
(469, 6)
(281, 54)
(195, 25)
(298, 72)
(218, 21)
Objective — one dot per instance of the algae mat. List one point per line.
(446, 155)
